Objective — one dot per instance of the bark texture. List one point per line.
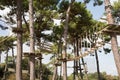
(32, 42)
(19, 41)
(113, 35)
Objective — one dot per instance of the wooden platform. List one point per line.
(37, 55)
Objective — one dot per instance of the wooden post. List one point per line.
(114, 43)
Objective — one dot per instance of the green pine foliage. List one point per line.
(116, 11)
(80, 21)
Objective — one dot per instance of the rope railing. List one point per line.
(97, 44)
(85, 53)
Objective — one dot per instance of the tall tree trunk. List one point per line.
(13, 58)
(79, 61)
(82, 59)
(40, 58)
(0, 56)
(60, 78)
(19, 42)
(80, 67)
(6, 67)
(40, 69)
(85, 69)
(97, 63)
(65, 46)
(55, 73)
(65, 41)
(115, 52)
(76, 62)
(60, 56)
(74, 70)
(114, 43)
(38, 35)
(32, 42)
(64, 57)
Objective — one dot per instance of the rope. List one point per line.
(92, 49)
(85, 54)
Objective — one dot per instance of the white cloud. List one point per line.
(5, 11)
(57, 22)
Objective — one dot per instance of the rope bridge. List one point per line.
(108, 29)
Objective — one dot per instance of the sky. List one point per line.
(106, 61)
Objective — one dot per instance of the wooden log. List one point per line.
(57, 64)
